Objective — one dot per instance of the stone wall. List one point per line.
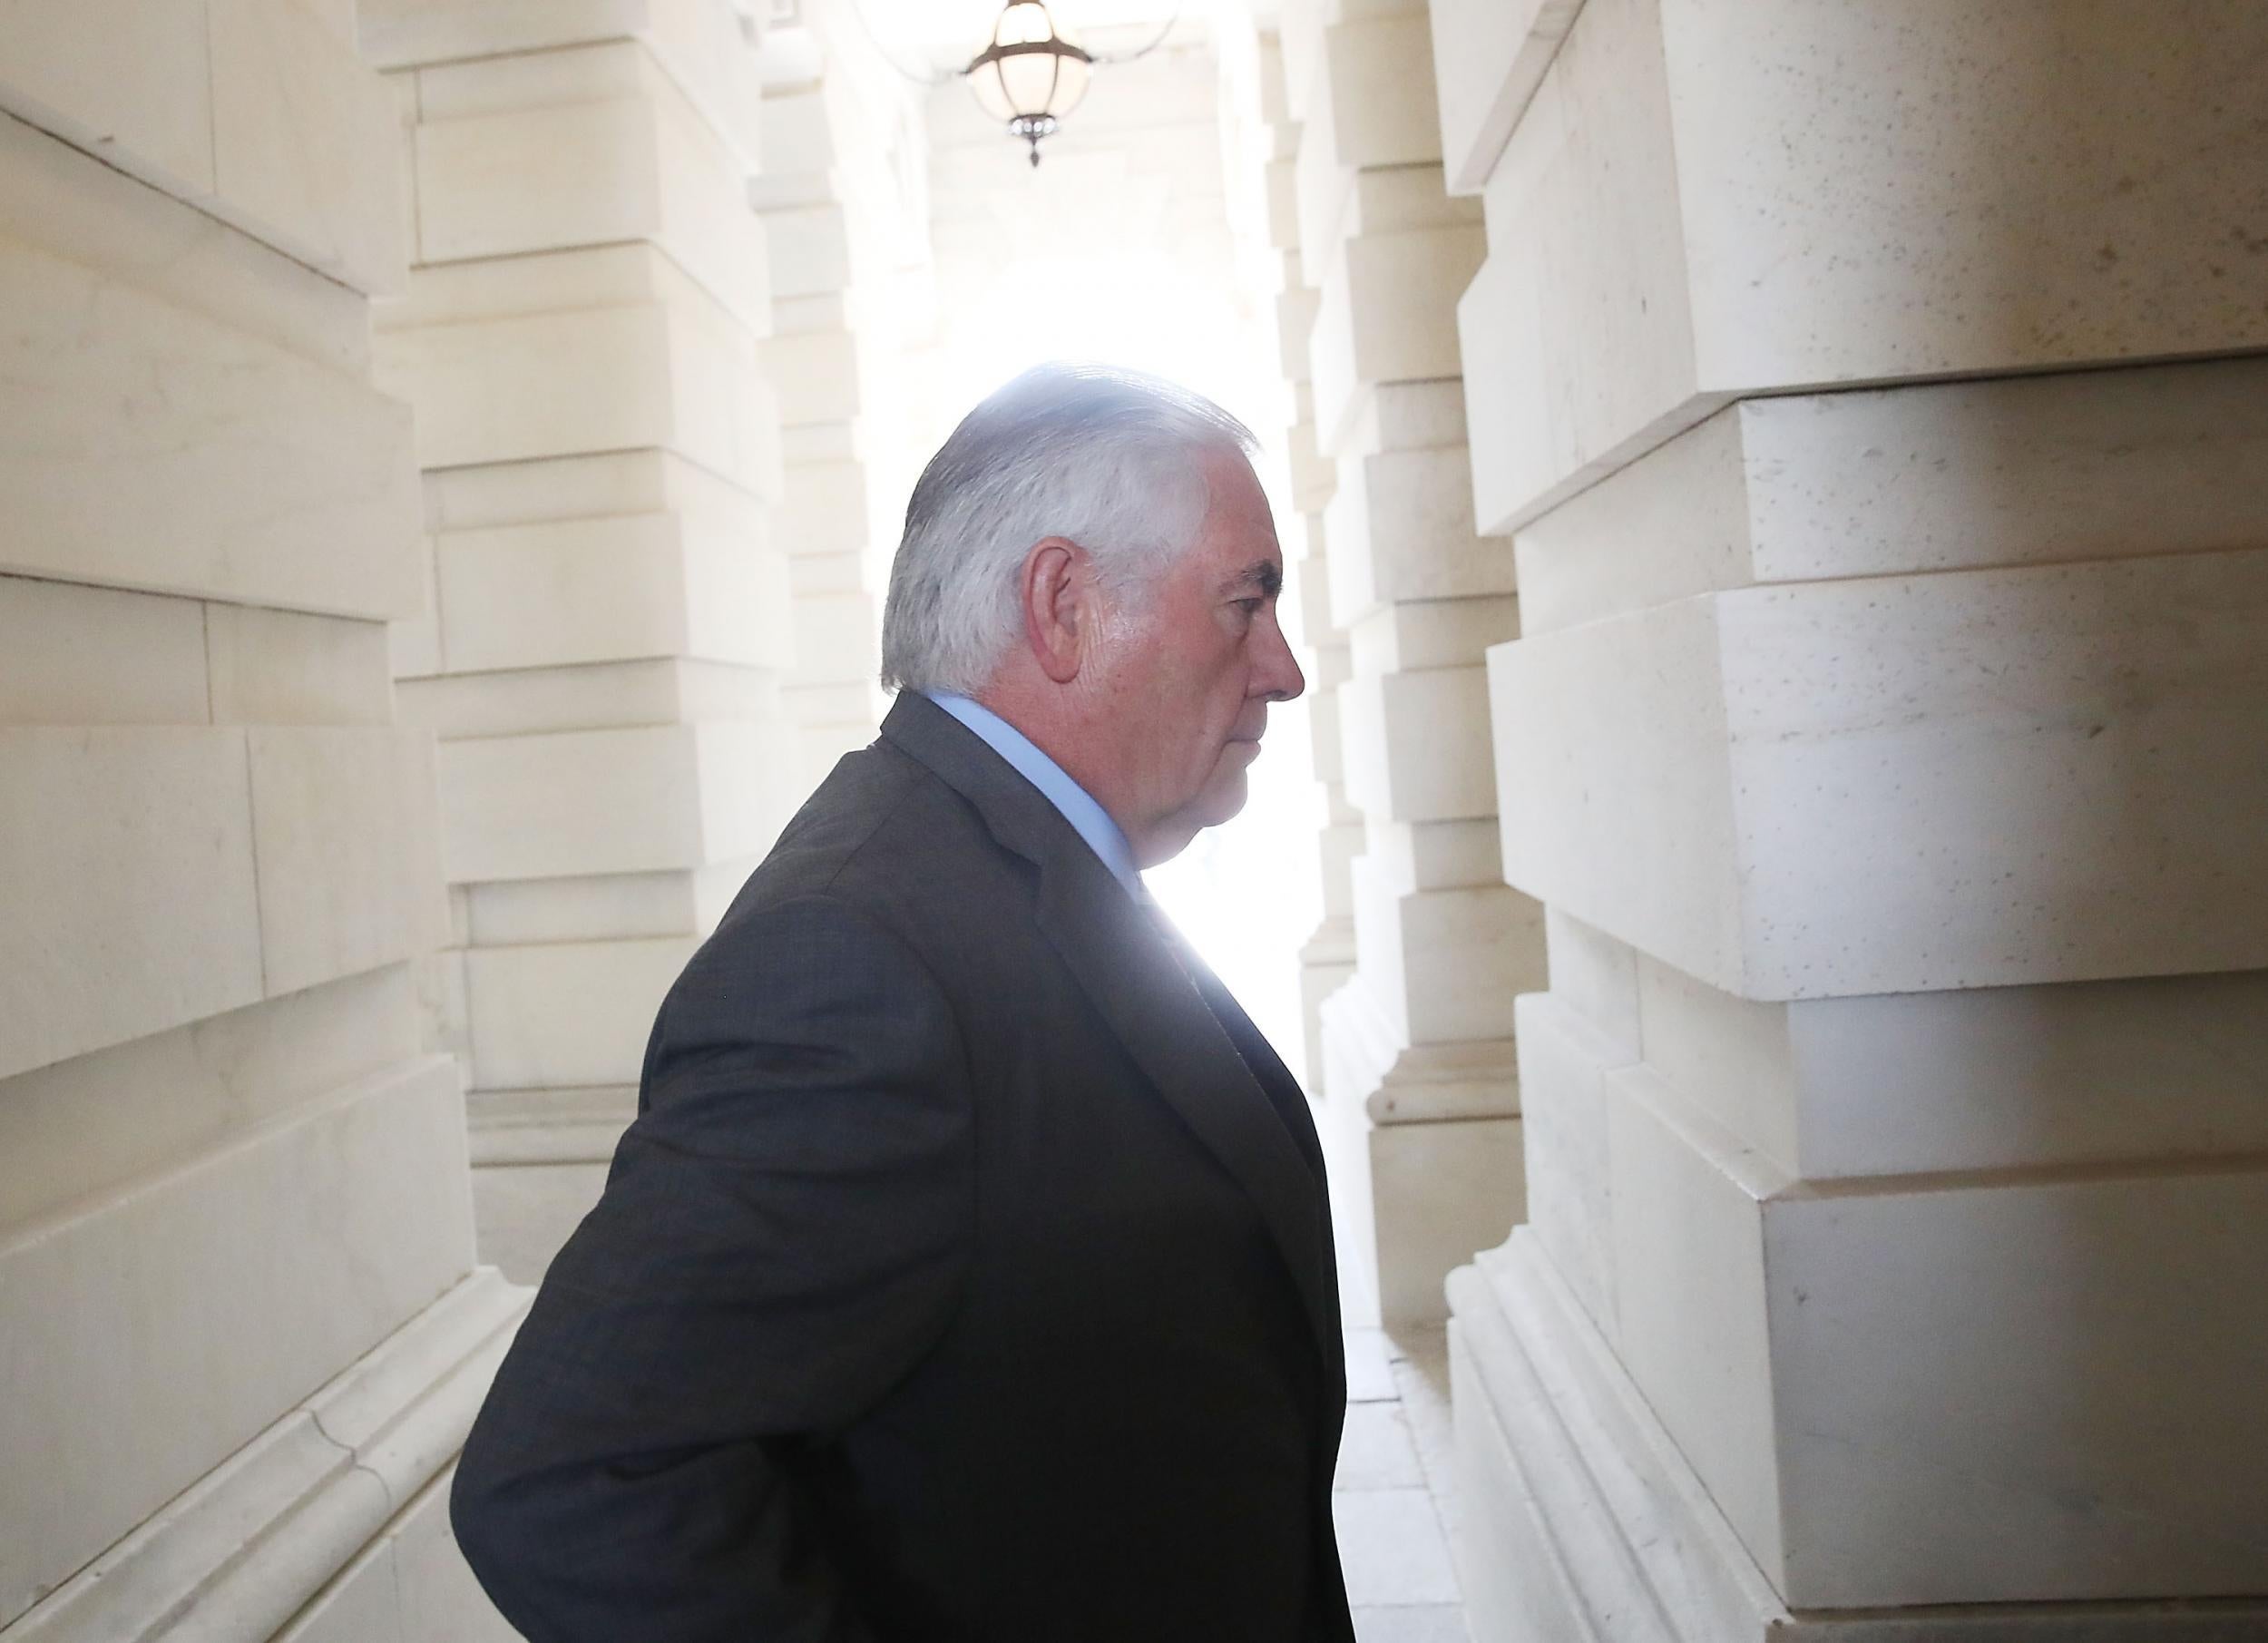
(844, 205)
(608, 626)
(1420, 1098)
(1885, 741)
(242, 1336)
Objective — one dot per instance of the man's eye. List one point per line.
(1250, 607)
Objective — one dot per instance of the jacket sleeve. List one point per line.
(781, 1239)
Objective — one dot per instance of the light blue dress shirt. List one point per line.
(1088, 818)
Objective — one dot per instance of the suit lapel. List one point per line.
(1142, 989)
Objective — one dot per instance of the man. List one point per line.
(967, 1273)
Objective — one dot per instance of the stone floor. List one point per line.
(1395, 1512)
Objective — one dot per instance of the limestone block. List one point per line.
(304, 140)
(1375, 109)
(1732, 783)
(581, 487)
(1999, 1078)
(568, 1013)
(254, 110)
(1876, 1434)
(1326, 735)
(838, 639)
(2127, 1379)
(626, 159)
(661, 365)
(1597, 977)
(1439, 856)
(799, 147)
(700, 42)
(1401, 528)
(95, 1122)
(518, 1127)
(283, 667)
(861, 703)
(248, 470)
(1372, 1087)
(1442, 1190)
(412, 646)
(127, 1400)
(1406, 417)
(1432, 633)
(526, 1211)
(73, 655)
(1692, 1324)
(614, 907)
(125, 79)
(397, 33)
(1338, 844)
(1692, 210)
(2148, 460)
(825, 575)
(580, 802)
(1579, 1510)
(1295, 312)
(1489, 58)
(1282, 199)
(104, 827)
(810, 250)
(252, 1548)
(1387, 314)
(815, 374)
(1314, 477)
(1563, 1062)
(824, 508)
(1416, 746)
(601, 696)
(1442, 965)
(342, 838)
(611, 588)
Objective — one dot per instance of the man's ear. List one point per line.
(1059, 609)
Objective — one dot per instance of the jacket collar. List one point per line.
(1123, 960)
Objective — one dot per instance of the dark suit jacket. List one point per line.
(966, 1275)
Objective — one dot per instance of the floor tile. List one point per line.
(1410, 1623)
(1369, 1367)
(1392, 1546)
(1376, 1450)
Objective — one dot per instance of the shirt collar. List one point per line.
(1088, 819)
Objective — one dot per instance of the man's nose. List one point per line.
(1279, 676)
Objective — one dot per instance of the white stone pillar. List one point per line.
(610, 622)
(1888, 752)
(1421, 1104)
(1327, 959)
(241, 1337)
(841, 139)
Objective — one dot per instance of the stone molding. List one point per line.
(242, 1551)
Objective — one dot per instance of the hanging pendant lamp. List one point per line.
(1029, 77)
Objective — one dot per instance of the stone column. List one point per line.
(241, 1337)
(1421, 1104)
(1327, 959)
(1886, 743)
(608, 627)
(841, 137)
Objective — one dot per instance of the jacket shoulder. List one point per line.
(886, 835)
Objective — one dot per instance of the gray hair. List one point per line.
(1106, 458)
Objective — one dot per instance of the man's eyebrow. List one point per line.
(1264, 574)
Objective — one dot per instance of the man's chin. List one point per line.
(1223, 798)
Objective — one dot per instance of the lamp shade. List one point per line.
(1030, 76)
